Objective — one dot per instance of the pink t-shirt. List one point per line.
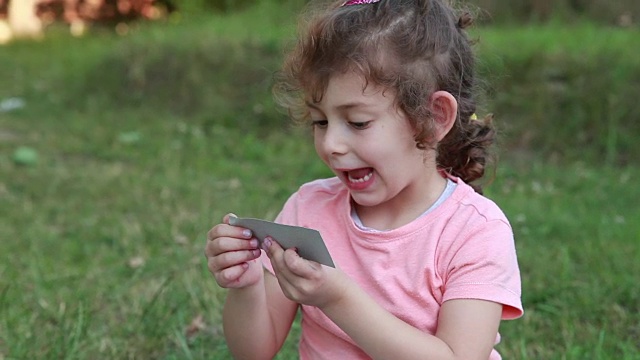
(463, 249)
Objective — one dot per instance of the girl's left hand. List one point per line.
(303, 281)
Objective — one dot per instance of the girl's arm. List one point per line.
(257, 319)
(467, 329)
(256, 316)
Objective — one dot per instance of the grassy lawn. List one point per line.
(143, 142)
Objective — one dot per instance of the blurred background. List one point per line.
(128, 128)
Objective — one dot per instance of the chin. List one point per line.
(365, 201)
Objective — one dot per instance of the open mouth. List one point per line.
(359, 176)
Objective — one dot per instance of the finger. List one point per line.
(285, 278)
(230, 275)
(231, 259)
(225, 219)
(299, 266)
(275, 253)
(272, 248)
(224, 244)
(289, 259)
(290, 282)
(222, 230)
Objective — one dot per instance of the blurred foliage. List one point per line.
(552, 95)
(567, 92)
(624, 13)
(558, 91)
(197, 6)
(620, 12)
(214, 80)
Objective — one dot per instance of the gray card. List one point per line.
(308, 241)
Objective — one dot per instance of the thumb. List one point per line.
(226, 218)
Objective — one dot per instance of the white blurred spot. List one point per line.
(5, 32)
(77, 28)
(136, 262)
(11, 104)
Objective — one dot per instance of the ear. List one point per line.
(444, 109)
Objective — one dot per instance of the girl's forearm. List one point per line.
(257, 319)
(379, 333)
(247, 324)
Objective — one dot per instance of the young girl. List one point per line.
(426, 266)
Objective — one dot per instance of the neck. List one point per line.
(406, 207)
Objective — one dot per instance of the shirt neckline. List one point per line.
(446, 193)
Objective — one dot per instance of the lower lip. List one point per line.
(359, 186)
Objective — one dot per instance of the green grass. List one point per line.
(145, 141)
(565, 91)
(577, 243)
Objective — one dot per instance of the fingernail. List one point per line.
(246, 233)
(254, 243)
(266, 243)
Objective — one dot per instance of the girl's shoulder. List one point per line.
(316, 199)
(316, 193)
(328, 187)
(468, 199)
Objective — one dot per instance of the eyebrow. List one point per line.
(345, 106)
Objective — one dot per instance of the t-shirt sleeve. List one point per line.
(481, 264)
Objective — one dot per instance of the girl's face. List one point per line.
(369, 144)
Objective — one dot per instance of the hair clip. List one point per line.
(359, 2)
(473, 117)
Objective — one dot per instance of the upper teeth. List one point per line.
(363, 179)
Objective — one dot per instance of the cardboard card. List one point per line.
(308, 241)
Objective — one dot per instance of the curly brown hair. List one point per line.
(412, 47)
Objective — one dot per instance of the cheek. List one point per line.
(317, 143)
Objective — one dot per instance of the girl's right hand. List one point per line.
(232, 254)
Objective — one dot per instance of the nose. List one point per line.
(334, 140)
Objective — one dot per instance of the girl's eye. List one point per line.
(360, 125)
(321, 124)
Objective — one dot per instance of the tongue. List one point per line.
(359, 173)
